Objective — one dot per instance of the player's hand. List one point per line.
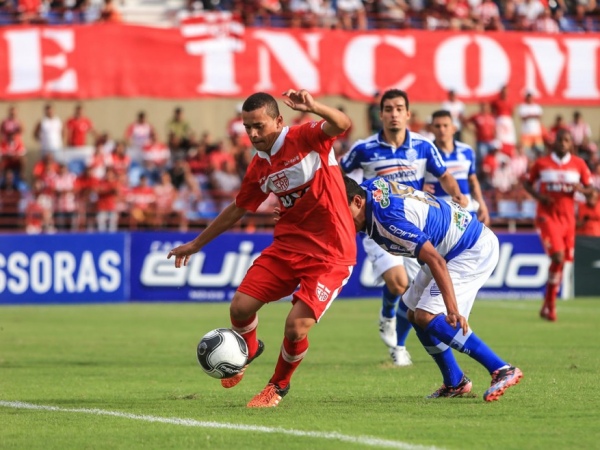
(454, 319)
(182, 253)
(427, 187)
(276, 214)
(461, 199)
(299, 100)
(483, 215)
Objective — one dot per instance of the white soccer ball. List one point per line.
(222, 353)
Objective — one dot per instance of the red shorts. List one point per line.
(557, 235)
(275, 275)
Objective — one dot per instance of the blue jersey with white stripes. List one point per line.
(406, 164)
(461, 164)
(401, 219)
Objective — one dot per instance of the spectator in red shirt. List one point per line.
(13, 153)
(139, 134)
(107, 190)
(11, 126)
(119, 160)
(110, 13)
(142, 201)
(77, 129)
(47, 164)
(505, 125)
(483, 124)
(85, 191)
(588, 216)
(63, 184)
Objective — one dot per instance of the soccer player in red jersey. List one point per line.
(314, 245)
(558, 176)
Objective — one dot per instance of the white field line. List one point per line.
(362, 440)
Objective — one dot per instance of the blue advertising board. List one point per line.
(217, 270)
(63, 268)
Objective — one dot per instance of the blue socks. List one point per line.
(390, 300)
(469, 344)
(443, 356)
(403, 326)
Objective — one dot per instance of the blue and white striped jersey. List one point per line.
(401, 219)
(406, 164)
(461, 165)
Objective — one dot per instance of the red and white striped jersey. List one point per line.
(303, 173)
(557, 179)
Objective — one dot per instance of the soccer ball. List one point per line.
(222, 353)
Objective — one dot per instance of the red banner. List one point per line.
(203, 60)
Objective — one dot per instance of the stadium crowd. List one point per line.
(547, 16)
(88, 180)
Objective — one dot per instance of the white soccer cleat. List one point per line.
(387, 331)
(400, 356)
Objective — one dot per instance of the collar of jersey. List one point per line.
(276, 145)
(564, 160)
(405, 145)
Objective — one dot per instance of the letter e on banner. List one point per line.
(27, 60)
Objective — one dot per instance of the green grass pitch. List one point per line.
(138, 360)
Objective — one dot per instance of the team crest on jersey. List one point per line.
(382, 194)
(411, 155)
(461, 220)
(323, 292)
(280, 180)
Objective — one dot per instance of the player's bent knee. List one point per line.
(296, 330)
(243, 306)
(422, 318)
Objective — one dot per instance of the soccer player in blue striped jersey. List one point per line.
(397, 154)
(460, 162)
(458, 254)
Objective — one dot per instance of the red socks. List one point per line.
(554, 279)
(290, 357)
(247, 329)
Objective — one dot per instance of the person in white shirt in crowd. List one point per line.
(49, 131)
(457, 111)
(530, 114)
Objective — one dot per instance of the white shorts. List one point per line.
(382, 261)
(468, 272)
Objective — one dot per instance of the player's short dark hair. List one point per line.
(393, 93)
(561, 132)
(441, 113)
(353, 189)
(260, 99)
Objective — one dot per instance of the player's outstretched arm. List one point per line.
(336, 121)
(429, 255)
(483, 215)
(223, 222)
(450, 186)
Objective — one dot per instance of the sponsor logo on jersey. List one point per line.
(280, 180)
(323, 292)
(461, 219)
(382, 194)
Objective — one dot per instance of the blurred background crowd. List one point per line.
(64, 173)
(547, 16)
(87, 179)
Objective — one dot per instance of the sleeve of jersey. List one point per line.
(402, 232)
(473, 166)
(435, 163)
(250, 196)
(316, 138)
(351, 160)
